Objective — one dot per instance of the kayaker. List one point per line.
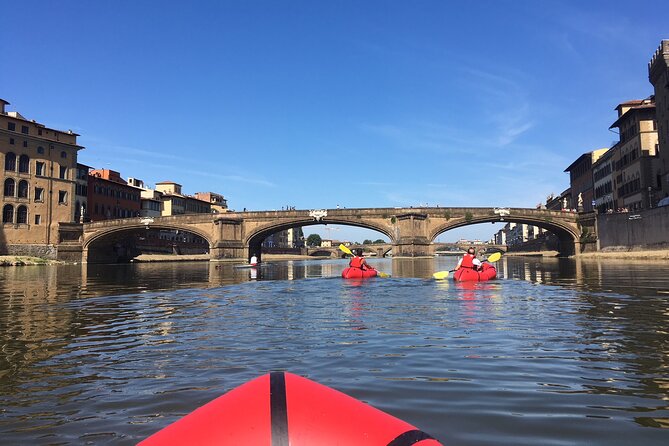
(469, 260)
(254, 260)
(358, 261)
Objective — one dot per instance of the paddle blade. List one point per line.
(345, 249)
(441, 275)
(384, 275)
(495, 257)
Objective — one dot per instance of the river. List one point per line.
(555, 352)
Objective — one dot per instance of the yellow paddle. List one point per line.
(441, 275)
(345, 250)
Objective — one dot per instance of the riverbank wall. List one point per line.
(634, 231)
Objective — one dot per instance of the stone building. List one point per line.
(580, 180)
(635, 156)
(658, 75)
(38, 177)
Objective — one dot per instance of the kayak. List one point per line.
(488, 272)
(357, 273)
(281, 409)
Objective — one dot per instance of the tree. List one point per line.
(314, 240)
(367, 242)
(378, 240)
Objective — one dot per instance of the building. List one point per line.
(603, 181)
(176, 203)
(151, 204)
(39, 177)
(658, 75)
(580, 180)
(218, 202)
(110, 196)
(635, 170)
(81, 194)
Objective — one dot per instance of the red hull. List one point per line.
(488, 272)
(282, 409)
(357, 273)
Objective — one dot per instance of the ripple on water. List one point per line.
(516, 362)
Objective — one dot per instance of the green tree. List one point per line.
(367, 242)
(378, 240)
(314, 240)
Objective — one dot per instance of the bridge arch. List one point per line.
(254, 239)
(100, 241)
(568, 236)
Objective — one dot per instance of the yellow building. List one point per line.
(176, 203)
(38, 176)
(635, 161)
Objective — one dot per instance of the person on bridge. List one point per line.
(358, 261)
(469, 260)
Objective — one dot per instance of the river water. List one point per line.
(555, 352)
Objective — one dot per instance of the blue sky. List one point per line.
(315, 104)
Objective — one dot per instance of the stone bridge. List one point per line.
(236, 235)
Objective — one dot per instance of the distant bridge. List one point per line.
(382, 249)
(236, 235)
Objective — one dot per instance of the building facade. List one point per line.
(658, 75)
(176, 203)
(81, 194)
(151, 204)
(218, 202)
(635, 167)
(603, 182)
(39, 168)
(110, 197)
(580, 180)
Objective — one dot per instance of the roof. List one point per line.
(593, 156)
(629, 113)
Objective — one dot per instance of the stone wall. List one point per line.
(643, 230)
(43, 251)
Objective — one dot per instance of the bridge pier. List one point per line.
(413, 247)
(228, 250)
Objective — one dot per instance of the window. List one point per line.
(39, 194)
(25, 143)
(39, 131)
(63, 172)
(11, 141)
(62, 197)
(22, 215)
(11, 126)
(10, 161)
(9, 187)
(24, 164)
(24, 129)
(40, 150)
(23, 189)
(63, 154)
(38, 219)
(8, 214)
(39, 168)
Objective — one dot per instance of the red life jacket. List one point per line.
(467, 261)
(356, 262)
